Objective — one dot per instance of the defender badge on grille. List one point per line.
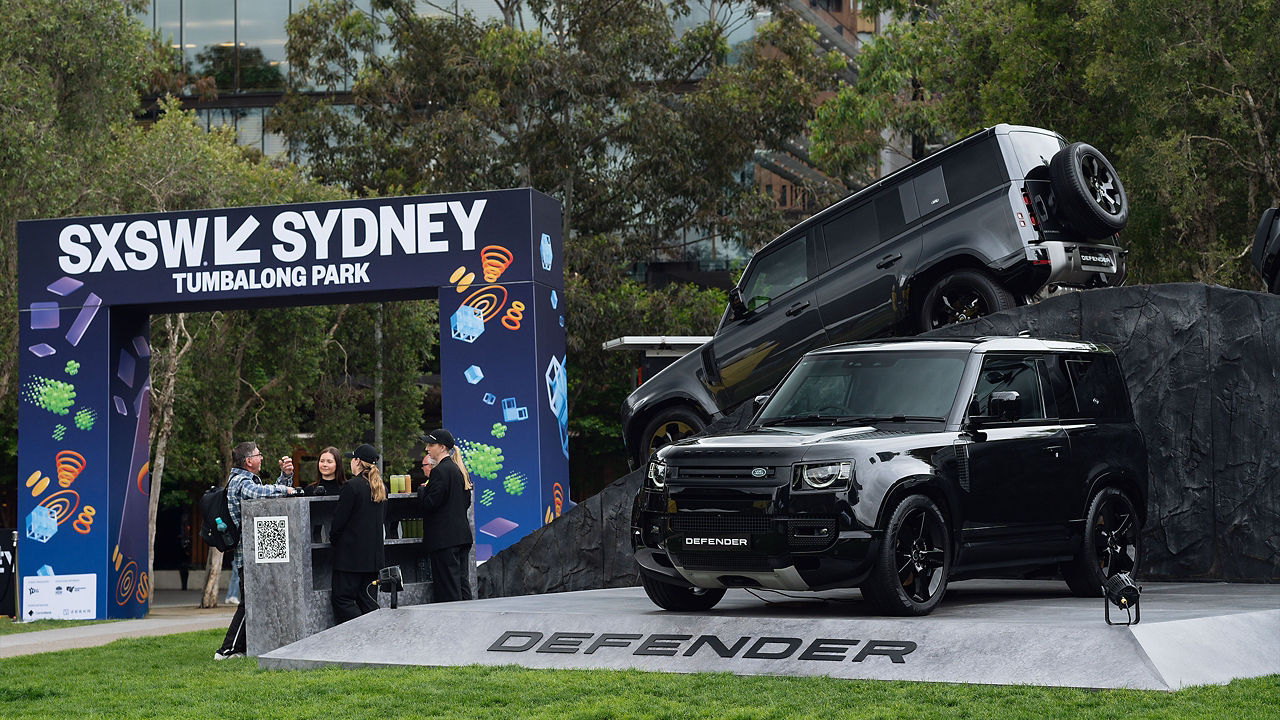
(758, 472)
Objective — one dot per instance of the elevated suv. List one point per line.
(894, 466)
(977, 227)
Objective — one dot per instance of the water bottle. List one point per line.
(222, 526)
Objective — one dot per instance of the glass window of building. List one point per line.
(260, 35)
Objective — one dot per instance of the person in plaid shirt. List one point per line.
(243, 482)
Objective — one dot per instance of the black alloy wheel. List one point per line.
(675, 597)
(961, 296)
(1110, 545)
(1090, 196)
(668, 426)
(914, 560)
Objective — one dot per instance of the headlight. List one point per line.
(658, 474)
(824, 475)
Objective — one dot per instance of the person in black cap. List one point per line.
(446, 533)
(356, 534)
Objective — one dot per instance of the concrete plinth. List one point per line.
(990, 632)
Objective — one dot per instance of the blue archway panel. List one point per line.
(88, 286)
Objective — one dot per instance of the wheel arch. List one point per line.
(1121, 480)
(638, 422)
(920, 283)
(928, 486)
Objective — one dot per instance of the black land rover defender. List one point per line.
(983, 224)
(894, 466)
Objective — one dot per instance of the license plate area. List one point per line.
(1097, 259)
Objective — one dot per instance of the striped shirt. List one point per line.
(243, 484)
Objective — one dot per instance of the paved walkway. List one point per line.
(172, 611)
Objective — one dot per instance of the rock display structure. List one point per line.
(1202, 364)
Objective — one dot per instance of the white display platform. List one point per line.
(989, 632)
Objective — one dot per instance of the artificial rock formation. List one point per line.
(1202, 364)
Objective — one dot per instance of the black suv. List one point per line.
(896, 465)
(991, 221)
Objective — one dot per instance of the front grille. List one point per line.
(698, 560)
(711, 524)
(685, 472)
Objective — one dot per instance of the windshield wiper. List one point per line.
(802, 420)
(867, 419)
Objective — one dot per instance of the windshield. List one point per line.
(1034, 149)
(866, 387)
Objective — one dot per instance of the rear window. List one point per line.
(1097, 389)
(1034, 149)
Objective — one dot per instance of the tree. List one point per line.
(644, 135)
(1182, 97)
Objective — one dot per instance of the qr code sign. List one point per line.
(271, 539)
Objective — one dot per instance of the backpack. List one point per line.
(218, 531)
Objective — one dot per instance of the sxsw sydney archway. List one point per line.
(88, 286)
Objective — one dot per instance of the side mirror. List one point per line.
(1005, 405)
(736, 305)
(758, 402)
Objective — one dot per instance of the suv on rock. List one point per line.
(984, 224)
(894, 466)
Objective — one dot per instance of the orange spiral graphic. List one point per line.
(84, 523)
(494, 260)
(558, 494)
(70, 464)
(63, 503)
(126, 585)
(144, 588)
(142, 474)
(515, 314)
(489, 300)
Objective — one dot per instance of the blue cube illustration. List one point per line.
(467, 324)
(511, 413)
(547, 254)
(42, 523)
(489, 398)
(45, 571)
(555, 300)
(474, 374)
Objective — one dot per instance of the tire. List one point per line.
(960, 296)
(669, 425)
(1089, 195)
(1103, 551)
(674, 597)
(913, 561)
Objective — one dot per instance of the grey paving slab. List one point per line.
(990, 632)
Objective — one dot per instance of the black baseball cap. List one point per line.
(366, 452)
(440, 437)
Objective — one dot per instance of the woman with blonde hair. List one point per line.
(356, 533)
(446, 532)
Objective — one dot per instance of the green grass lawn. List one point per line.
(175, 677)
(9, 627)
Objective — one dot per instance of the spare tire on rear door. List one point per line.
(1089, 195)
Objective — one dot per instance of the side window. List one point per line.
(776, 273)
(971, 171)
(1097, 388)
(931, 191)
(851, 234)
(891, 210)
(1000, 374)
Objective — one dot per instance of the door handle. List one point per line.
(797, 308)
(888, 260)
(1054, 450)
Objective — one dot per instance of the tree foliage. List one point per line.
(644, 134)
(1183, 97)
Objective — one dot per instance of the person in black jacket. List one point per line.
(329, 474)
(356, 533)
(446, 532)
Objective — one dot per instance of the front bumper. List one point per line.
(730, 550)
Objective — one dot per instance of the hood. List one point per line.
(777, 445)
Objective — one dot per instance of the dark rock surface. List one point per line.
(1203, 368)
